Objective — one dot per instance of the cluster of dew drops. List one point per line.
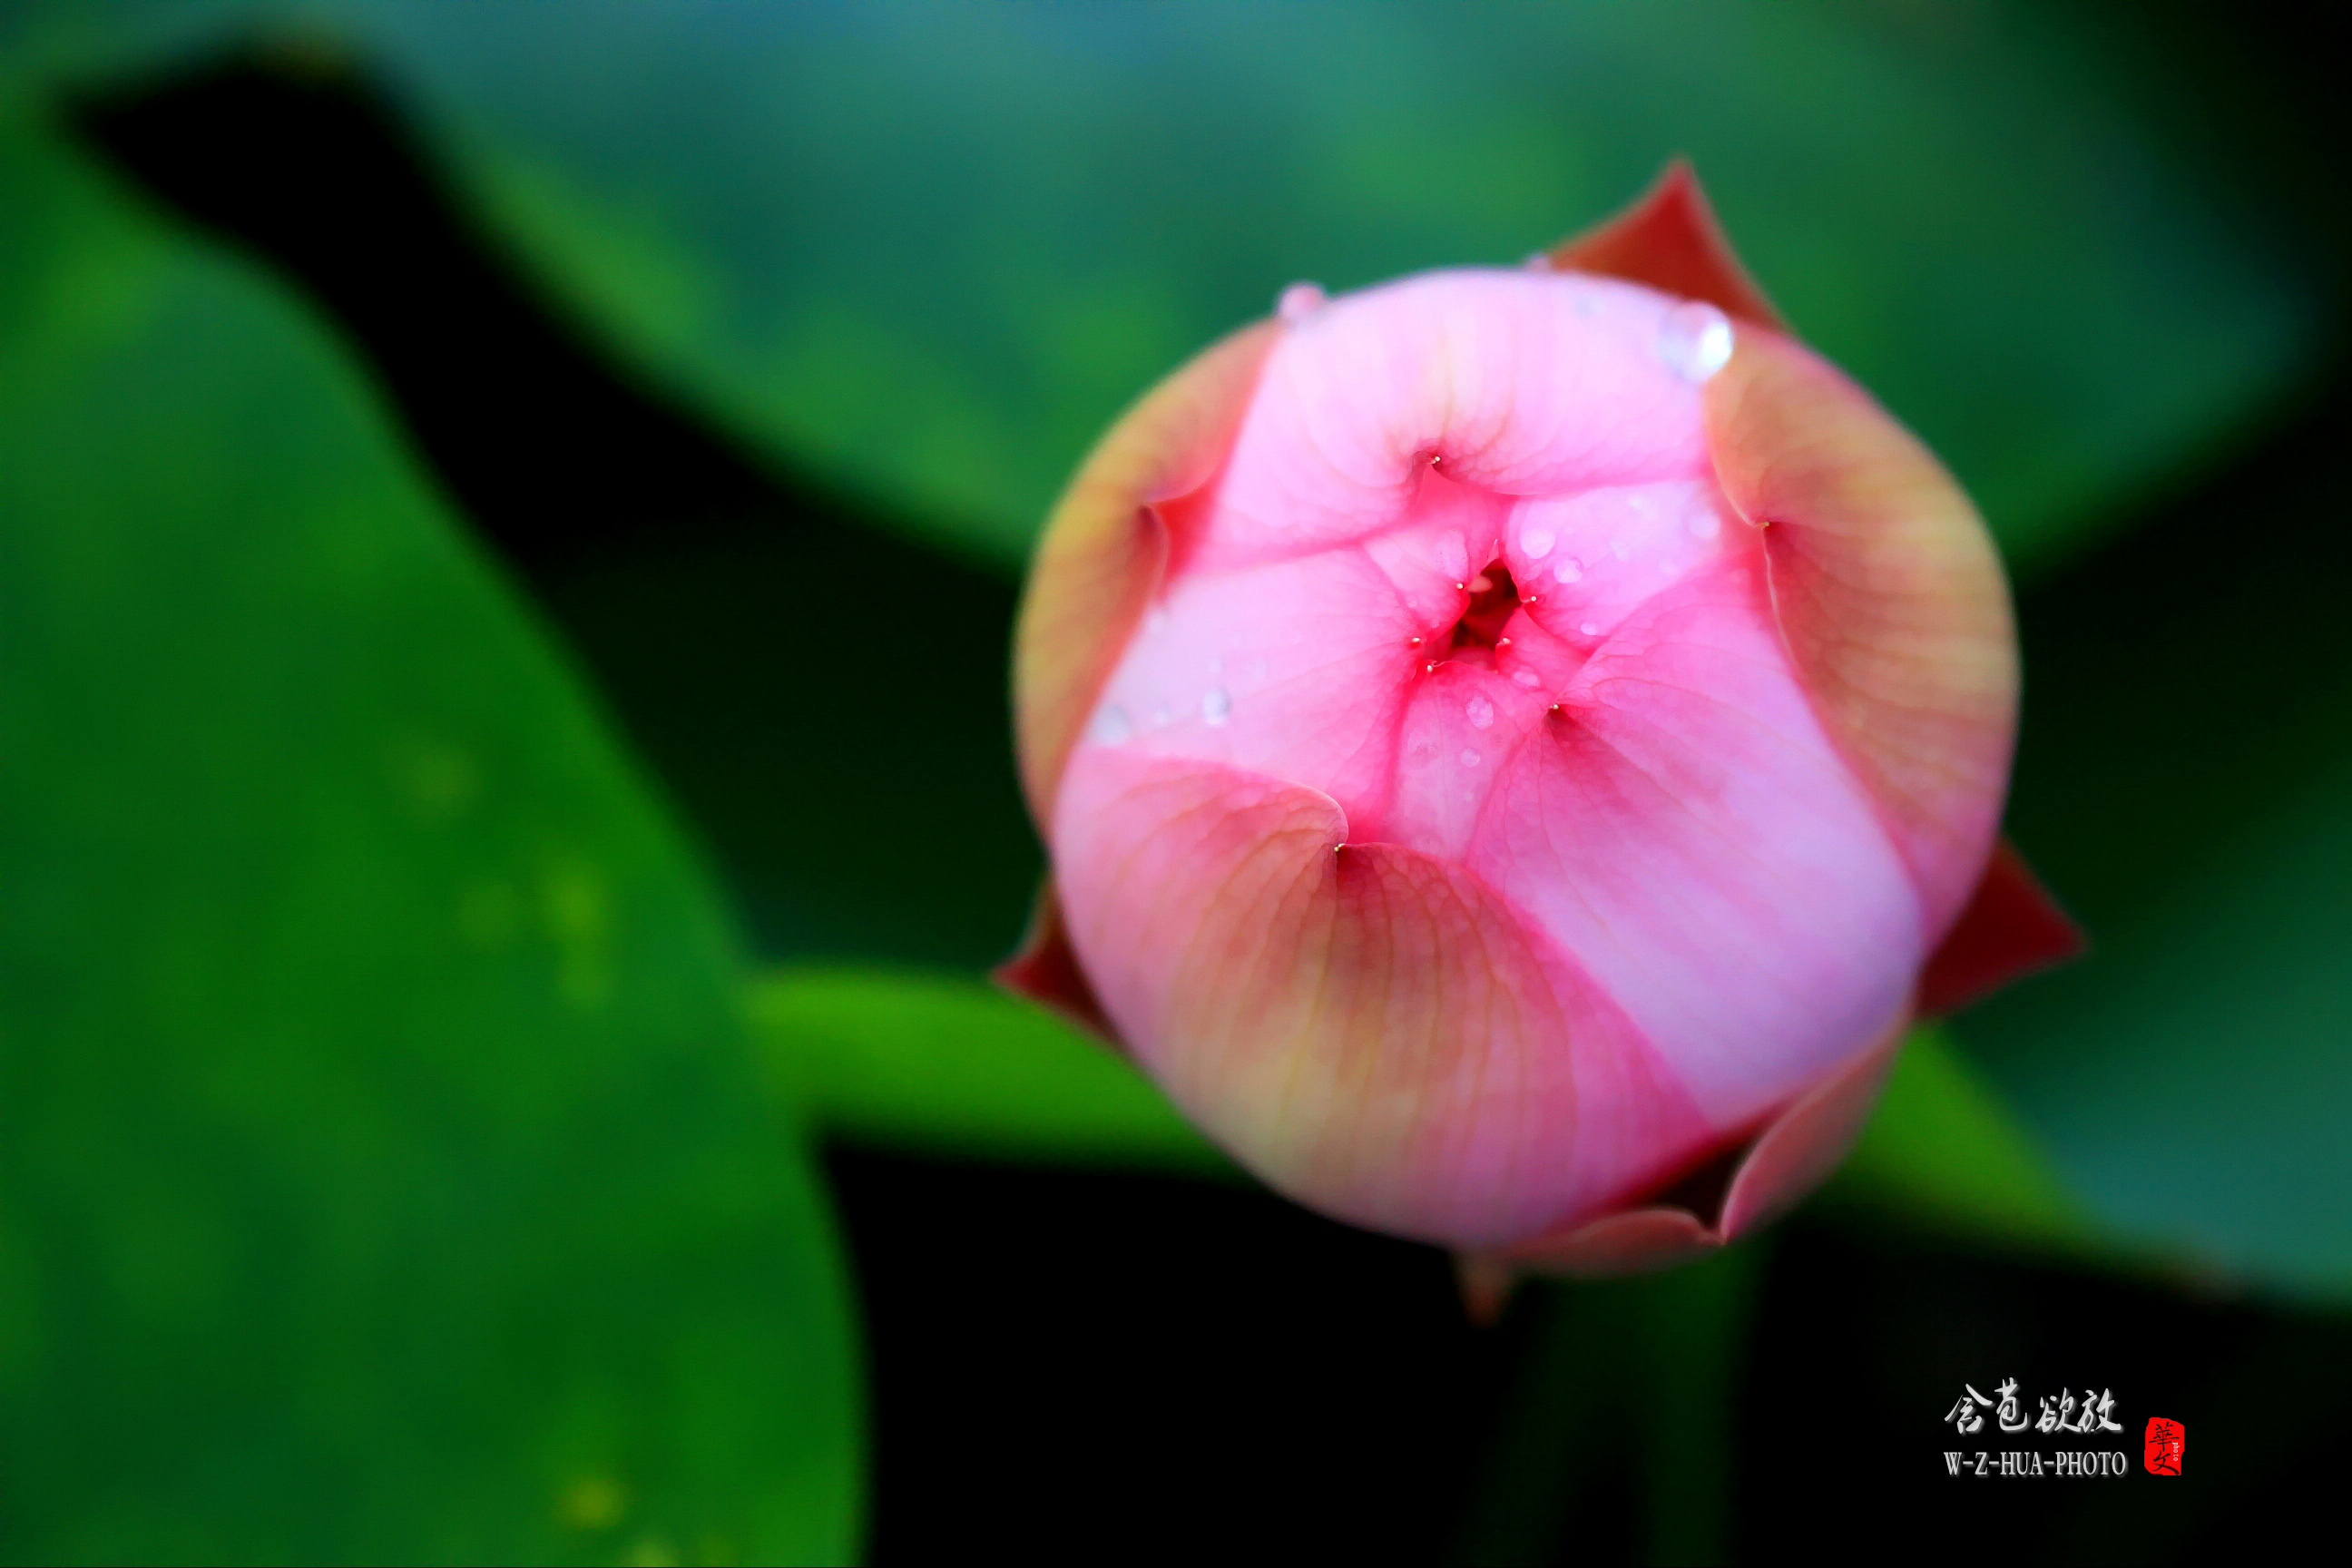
(1695, 340)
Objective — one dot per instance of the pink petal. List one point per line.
(1684, 831)
(1637, 1241)
(1100, 558)
(1371, 1030)
(1890, 597)
(1047, 971)
(1800, 1149)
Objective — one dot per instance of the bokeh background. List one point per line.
(509, 520)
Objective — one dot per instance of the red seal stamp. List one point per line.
(2164, 1440)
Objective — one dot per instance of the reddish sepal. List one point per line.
(2011, 928)
(1670, 240)
(1044, 969)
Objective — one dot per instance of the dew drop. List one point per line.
(1589, 628)
(1569, 570)
(1537, 543)
(1216, 706)
(1299, 302)
(1694, 339)
(1480, 712)
(1526, 677)
(1470, 758)
(1706, 525)
(1111, 726)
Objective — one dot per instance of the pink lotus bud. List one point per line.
(1511, 741)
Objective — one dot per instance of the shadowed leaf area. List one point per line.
(825, 699)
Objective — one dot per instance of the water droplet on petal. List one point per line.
(1537, 543)
(1480, 712)
(1569, 571)
(1111, 726)
(1526, 677)
(1470, 758)
(1694, 339)
(1217, 705)
(1706, 525)
(1299, 302)
(1589, 628)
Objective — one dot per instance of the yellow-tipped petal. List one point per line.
(1103, 551)
(1890, 595)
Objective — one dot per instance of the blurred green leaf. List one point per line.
(948, 1065)
(935, 250)
(2185, 781)
(945, 1065)
(382, 1173)
(2195, 1080)
(1942, 1151)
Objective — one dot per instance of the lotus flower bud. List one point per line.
(1512, 744)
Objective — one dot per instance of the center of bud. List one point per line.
(1494, 598)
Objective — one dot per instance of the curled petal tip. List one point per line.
(2011, 928)
(1636, 1241)
(1793, 1155)
(1800, 1147)
(1671, 240)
